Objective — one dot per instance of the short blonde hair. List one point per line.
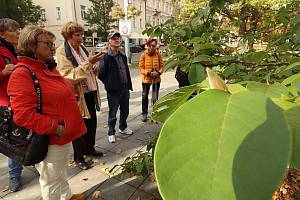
(70, 28)
(28, 39)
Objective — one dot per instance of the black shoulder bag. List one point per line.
(18, 143)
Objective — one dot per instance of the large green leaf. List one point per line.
(219, 146)
(292, 112)
(275, 90)
(169, 103)
(290, 79)
(235, 88)
(196, 73)
(293, 66)
(296, 84)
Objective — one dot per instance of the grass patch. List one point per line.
(134, 64)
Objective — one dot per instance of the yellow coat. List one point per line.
(75, 75)
(150, 63)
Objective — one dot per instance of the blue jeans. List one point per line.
(114, 101)
(14, 168)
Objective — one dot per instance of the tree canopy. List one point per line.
(99, 16)
(23, 11)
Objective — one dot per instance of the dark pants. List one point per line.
(114, 101)
(145, 100)
(85, 144)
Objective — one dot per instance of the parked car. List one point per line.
(100, 47)
(135, 48)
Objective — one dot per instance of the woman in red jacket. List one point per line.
(9, 35)
(60, 118)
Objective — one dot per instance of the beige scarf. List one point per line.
(90, 83)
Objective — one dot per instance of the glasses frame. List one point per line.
(50, 45)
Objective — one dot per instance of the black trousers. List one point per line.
(85, 144)
(145, 94)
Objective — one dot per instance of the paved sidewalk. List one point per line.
(98, 178)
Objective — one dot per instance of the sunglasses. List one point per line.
(50, 45)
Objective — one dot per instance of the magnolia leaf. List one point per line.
(196, 40)
(215, 82)
(293, 66)
(202, 58)
(167, 104)
(296, 84)
(292, 113)
(255, 56)
(196, 73)
(219, 146)
(235, 88)
(171, 64)
(206, 46)
(275, 90)
(181, 50)
(290, 79)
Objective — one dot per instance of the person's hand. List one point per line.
(154, 74)
(61, 129)
(93, 58)
(96, 69)
(8, 69)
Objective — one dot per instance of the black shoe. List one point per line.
(15, 183)
(95, 153)
(83, 165)
(144, 118)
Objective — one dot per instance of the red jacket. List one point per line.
(58, 102)
(4, 52)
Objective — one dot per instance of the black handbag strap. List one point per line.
(37, 87)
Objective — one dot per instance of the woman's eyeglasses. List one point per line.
(49, 44)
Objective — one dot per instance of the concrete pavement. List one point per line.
(97, 179)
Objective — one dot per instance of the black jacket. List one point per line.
(109, 73)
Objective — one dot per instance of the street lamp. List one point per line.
(126, 38)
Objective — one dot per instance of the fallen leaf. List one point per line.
(102, 163)
(5, 189)
(72, 164)
(97, 194)
(84, 179)
(105, 170)
(105, 125)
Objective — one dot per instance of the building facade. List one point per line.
(58, 12)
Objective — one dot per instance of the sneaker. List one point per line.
(144, 118)
(112, 138)
(15, 183)
(126, 131)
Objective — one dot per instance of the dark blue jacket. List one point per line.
(109, 73)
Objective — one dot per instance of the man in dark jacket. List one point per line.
(114, 73)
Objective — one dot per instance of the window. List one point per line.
(83, 12)
(58, 13)
(133, 23)
(141, 23)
